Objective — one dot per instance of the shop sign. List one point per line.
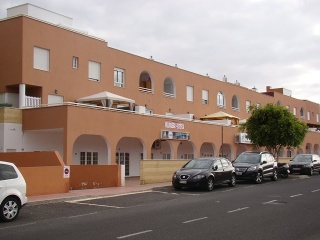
(173, 125)
(175, 135)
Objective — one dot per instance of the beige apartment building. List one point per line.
(64, 90)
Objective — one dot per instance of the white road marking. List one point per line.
(97, 205)
(297, 195)
(273, 202)
(317, 190)
(134, 234)
(111, 196)
(82, 215)
(193, 220)
(21, 225)
(239, 209)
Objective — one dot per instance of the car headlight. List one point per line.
(174, 176)
(252, 168)
(199, 176)
(307, 165)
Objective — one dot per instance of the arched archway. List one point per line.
(240, 149)
(145, 82)
(186, 150)
(161, 149)
(207, 150)
(169, 89)
(316, 149)
(226, 152)
(129, 152)
(90, 150)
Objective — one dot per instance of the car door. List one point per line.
(227, 169)
(2, 186)
(316, 162)
(217, 171)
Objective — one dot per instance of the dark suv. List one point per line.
(255, 166)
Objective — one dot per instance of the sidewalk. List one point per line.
(131, 185)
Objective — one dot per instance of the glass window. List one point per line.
(189, 93)
(7, 172)
(41, 58)
(294, 111)
(94, 71)
(235, 103)
(205, 97)
(220, 99)
(118, 77)
(248, 104)
(168, 88)
(75, 62)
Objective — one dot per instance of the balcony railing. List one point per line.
(32, 101)
(169, 95)
(146, 90)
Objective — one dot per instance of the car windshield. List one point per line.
(248, 158)
(194, 163)
(302, 158)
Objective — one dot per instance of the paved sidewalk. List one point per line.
(131, 185)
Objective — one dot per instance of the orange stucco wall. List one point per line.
(43, 171)
(94, 176)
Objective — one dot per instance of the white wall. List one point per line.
(12, 137)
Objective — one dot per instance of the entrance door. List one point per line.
(123, 159)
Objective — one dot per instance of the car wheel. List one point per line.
(275, 175)
(10, 208)
(210, 184)
(232, 182)
(310, 172)
(258, 178)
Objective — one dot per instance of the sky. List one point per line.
(257, 43)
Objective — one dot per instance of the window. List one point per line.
(288, 107)
(308, 115)
(258, 105)
(88, 158)
(235, 103)
(294, 111)
(118, 77)
(220, 100)
(41, 58)
(145, 83)
(94, 71)
(168, 88)
(317, 116)
(302, 113)
(189, 94)
(75, 62)
(7, 172)
(248, 104)
(205, 97)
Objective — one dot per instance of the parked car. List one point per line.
(12, 191)
(255, 166)
(305, 164)
(204, 172)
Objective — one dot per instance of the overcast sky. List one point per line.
(255, 42)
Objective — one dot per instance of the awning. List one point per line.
(108, 99)
(221, 116)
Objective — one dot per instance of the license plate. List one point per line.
(296, 168)
(183, 181)
(238, 173)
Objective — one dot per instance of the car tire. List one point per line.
(310, 172)
(232, 182)
(274, 175)
(258, 178)
(10, 209)
(210, 184)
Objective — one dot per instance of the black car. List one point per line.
(204, 172)
(305, 164)
(255, 166)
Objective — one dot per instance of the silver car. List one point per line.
(12, 191)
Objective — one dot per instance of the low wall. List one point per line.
(157, 171)
(94, 176)
(43, 171)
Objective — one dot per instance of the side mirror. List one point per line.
(215, 167)
(264, 162)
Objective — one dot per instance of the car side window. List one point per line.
(264, 158)
(7, 172)
(218, 164)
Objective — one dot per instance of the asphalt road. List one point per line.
(286, 209)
